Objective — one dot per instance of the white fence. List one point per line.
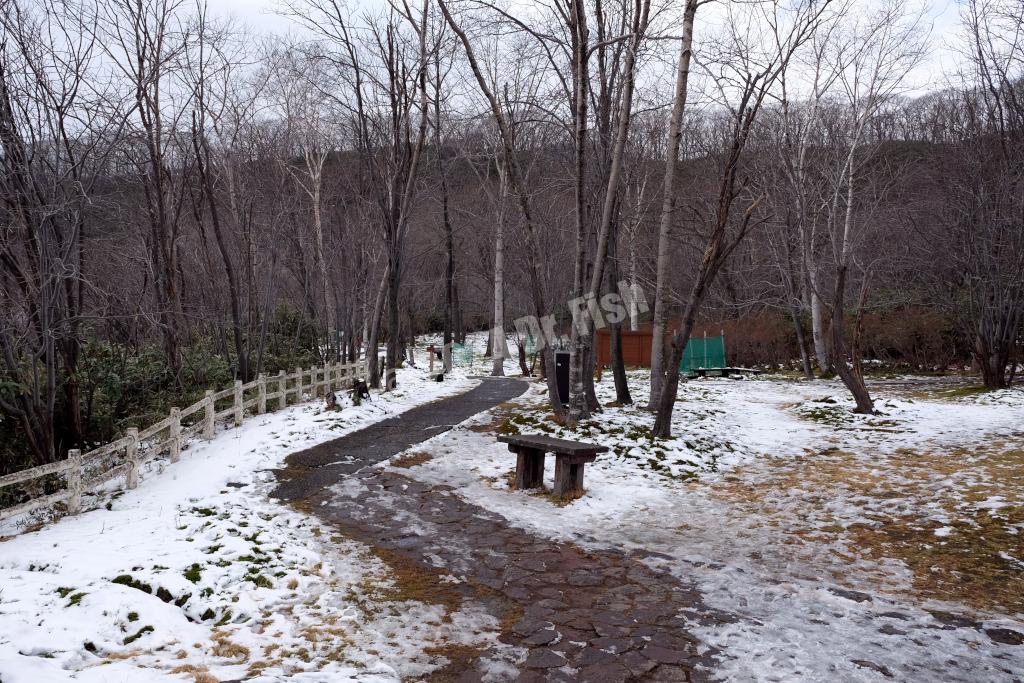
(84, 471)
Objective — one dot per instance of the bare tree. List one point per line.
(53, 143)
(872, 67)
(756, 74)
(668, 207)
(387, 71)
(146, 41)
(983, 189)
(517, 183)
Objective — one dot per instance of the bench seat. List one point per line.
(570, 459)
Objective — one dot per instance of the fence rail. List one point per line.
(138, 447)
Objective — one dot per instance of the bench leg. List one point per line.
(529, 468)
(568, 477)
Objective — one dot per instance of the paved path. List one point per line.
(578, 615)
(309, 471)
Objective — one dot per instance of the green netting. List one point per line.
(703, 352)
(531, 344)
(462, 355)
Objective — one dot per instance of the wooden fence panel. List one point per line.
(327, 377)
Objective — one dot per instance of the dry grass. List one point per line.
(200, 674)
(560, 501)
(899, 493)
(415, 581)
(225, 648)
(460, 659)
(127, 654)
(257, 668)
(500, 415)
(411, 459)
(965, 566)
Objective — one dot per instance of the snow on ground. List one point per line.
(853, 548)
(847, 547)
(196, 575)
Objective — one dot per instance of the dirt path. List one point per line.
(568, 614)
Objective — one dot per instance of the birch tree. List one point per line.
(749, 68)
(668, 206)
(872, 68)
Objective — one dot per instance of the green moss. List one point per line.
(138, 634)
(133, 616)
(64, 592)
(260, 581)
(127, 580)
(208, 614)
(204, 512)
(194, 573)
(76, 599)
(962, 392)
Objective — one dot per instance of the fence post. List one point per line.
(208, 419)
(261, 385)
(74, 480)
(131, 478)
(175, 430)
(298, 385)
(282, 390)
(238, 403)
(328, 378)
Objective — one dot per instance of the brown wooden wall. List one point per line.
(636, 347)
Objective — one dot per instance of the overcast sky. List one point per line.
(944, 14)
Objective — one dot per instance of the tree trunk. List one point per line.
(853, 383)
(801, 342)
(498, 346)
(675, 134)
(622, 395)
(393, 322)
(449, 239)
(825, 364)
(373, 332)
(580, 333)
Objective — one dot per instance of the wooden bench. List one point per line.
(570, 458)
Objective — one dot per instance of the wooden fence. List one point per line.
(124, 457)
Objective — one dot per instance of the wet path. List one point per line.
(565, 614)
(309, 471)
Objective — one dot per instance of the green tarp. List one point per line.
(703, 352)
(462, 355)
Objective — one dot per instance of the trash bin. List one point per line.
(562, 375)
